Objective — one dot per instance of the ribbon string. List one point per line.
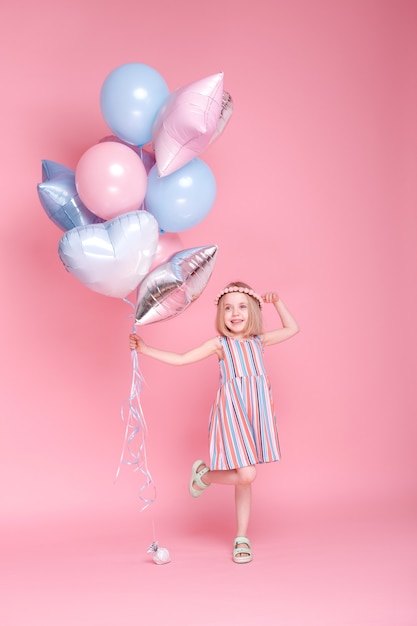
(134, 446)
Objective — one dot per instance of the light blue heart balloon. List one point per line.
(113, 257)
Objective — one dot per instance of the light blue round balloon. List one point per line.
(130, 99)
(182, 199)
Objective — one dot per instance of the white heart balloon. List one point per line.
(111, 258)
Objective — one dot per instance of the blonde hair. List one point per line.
(254, 324)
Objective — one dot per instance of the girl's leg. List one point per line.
(243, 502)
(242, 478)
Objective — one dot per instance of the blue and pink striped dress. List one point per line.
(242, 425)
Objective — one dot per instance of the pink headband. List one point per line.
(249, 292)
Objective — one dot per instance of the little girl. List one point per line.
(242, 425)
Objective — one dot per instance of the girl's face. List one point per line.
(236, 312)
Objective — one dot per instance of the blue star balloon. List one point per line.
(50, 169)
(60, 200)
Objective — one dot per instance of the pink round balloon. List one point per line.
(145, 152)
(111, 179)
(168, 244)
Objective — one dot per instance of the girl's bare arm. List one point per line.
(289, 324)
(206, 349)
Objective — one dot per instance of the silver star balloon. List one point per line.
(172, 286)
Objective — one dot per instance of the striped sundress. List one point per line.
(242, 425)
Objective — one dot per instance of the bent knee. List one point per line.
(246, 474)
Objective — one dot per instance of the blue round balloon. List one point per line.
(130, 99)
(182, 199)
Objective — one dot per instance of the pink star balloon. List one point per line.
(187, 122)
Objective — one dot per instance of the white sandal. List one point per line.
(196, 479)
(239, 552)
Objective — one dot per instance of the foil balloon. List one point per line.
(113, 257)
(186, 123)
(59, 198)
(50, 169)
(172, 286)
(225, 115)
(160, 555)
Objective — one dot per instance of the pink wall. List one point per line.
(317, 197)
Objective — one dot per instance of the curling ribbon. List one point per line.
(134, 447)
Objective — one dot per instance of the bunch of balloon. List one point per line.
(130, 196)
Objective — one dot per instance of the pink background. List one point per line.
(317, 197)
